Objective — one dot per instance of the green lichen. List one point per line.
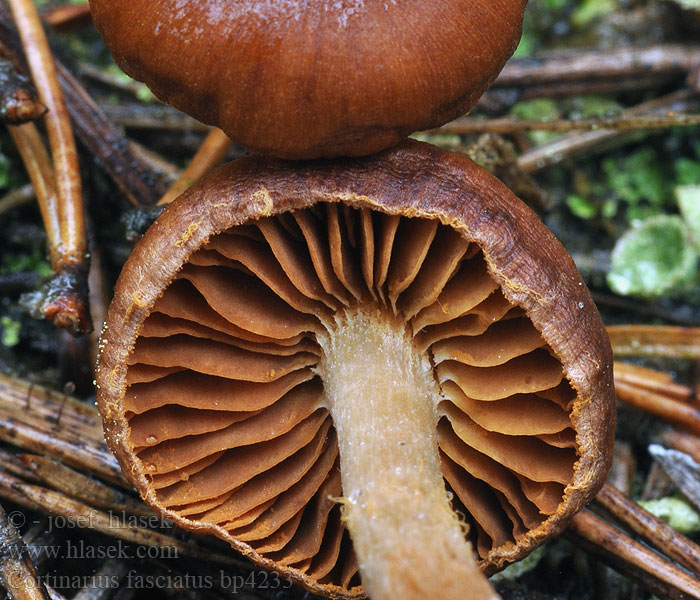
(641, 180)
(654, 258)
(689, 4)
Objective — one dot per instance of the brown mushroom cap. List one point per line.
(307, 79)
(211, 380)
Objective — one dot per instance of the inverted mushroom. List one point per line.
(307, 79)
(355, 371)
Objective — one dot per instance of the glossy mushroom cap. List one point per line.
(269, 302)
(306, 79)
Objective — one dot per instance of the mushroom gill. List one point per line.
(284, 343)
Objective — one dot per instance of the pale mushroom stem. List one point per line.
(384, 402)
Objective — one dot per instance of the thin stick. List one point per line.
(651, 380)
(660, 405)
(66, 302)
(16, 198)
(8, 491)
(111, 79)
(134, 115)
(631, 558)
(161, 167)
(655, 340)
(133, 176)
(608, 64)
(654, 530)
(576, 143)
(61, 140)
(683, 442)
(38, 165)
(472, 125)
(67, 17)
(211, 153)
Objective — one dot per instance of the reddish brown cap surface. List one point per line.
(211, 381)
(313, 78)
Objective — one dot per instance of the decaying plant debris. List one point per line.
(610, 160)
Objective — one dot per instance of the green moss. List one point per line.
(9, 331)
(4, 171)
(591, 106)
(591, 10)
(581, 207)
(35, 262)
(538, 109)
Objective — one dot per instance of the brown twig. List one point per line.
(153, 116)
(38, 165)
(66, 304)
(594, 64)
(654, 530)
(67, 17)
(133, 176)
(473, 125)
(211, 153)
(16, 198)
(573, 144)
(659, 404)
(683, 442)
(632, 558)
(655, 341)
(166, 171)
(651, 380)
(112, 80)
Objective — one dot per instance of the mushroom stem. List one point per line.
(384, 402)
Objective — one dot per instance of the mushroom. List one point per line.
(364, 365)
(309, 79)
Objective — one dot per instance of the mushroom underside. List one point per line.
(230, 386)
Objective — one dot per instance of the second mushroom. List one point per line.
(372, 372)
